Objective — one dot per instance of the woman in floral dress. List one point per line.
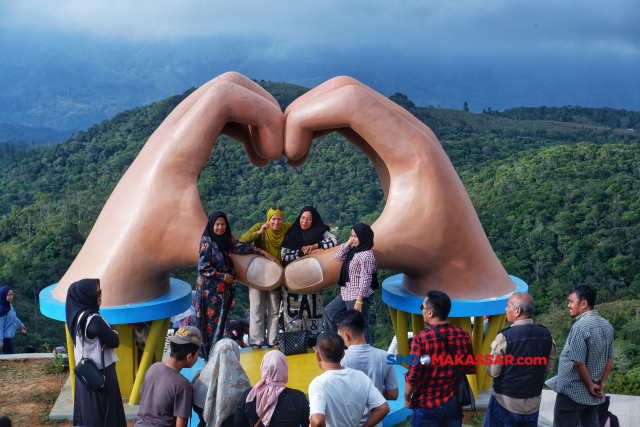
(216, 285)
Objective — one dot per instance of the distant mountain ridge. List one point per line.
(21, 135)
(67, 82)
(609, 117)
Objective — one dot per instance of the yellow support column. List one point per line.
(163, 335)
(417, 323)
(126, 354)
(393, 313)
(402, 334)
(476, 339)
(495, 323)
(486, 385)
(465, 323)
(147, 358)
(478, 334)
(72, 362)
(135, 360)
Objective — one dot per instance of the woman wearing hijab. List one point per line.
(94, 338)
(267, 236)
(218, 387)
(271, 402)
(9, 321)
(356, 276)
(307, 235)
(216, 285)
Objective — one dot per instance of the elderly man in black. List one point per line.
(522, 354)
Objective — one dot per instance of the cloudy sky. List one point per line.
(443, 26)
(500, 53)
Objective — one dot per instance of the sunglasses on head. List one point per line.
(276, 208)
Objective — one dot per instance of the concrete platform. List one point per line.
(63, 409)
(302, 369)
(26, 356)
(626, 408)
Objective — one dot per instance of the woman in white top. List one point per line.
(91, 336)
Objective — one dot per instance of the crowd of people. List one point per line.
(283, 243)
(356, 380)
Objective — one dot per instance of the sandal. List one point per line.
(256, 347)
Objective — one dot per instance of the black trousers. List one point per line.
(567, 413)
(338, 307)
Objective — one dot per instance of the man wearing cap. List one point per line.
(236, 329)
(165, 395)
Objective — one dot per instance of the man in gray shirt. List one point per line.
(365, 358)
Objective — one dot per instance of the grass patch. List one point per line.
(44, 417)
(37, 397)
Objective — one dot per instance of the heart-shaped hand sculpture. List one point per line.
(153, 221)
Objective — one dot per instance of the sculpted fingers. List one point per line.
(429, 229)
(229, 77)
(153, 220)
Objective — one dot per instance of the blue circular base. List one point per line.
(177, 301)
(394, 295)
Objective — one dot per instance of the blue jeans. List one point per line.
(497, 416)
(447, 415)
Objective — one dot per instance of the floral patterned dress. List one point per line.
(215, 298)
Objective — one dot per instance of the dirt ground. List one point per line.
(28, 391)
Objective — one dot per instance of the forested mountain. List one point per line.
(559, 202)
(565, 215)
(609, 117)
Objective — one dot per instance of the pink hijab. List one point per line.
(275, 374)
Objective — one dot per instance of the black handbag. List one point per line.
(293, 342)
(465, 394)
(88, 373)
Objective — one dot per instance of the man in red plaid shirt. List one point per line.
(431, 389)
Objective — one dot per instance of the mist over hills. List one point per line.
(71, 83)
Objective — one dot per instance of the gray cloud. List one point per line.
(412, 26)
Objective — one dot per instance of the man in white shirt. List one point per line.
(365, 358)
(341, 396)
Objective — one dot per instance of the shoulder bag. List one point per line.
(87, 372)
(293, 342)
(465, 394)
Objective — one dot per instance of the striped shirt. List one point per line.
(328, 241)
(590, 341)
(361, 268)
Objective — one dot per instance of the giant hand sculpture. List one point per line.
(429, 229)
(153, 220)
